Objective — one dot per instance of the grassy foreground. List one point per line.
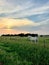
(21, 51)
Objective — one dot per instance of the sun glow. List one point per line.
(9, 24)
(6, 23)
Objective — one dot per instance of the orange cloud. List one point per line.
(11, 31)
(9, 23)
(6, 24)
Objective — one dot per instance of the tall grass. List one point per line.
(21, 51)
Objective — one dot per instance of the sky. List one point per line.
(24, 16)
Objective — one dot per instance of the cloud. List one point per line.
(19, 9)
(24, 25)
(11, 31)
(9, 23)
(11, 6)
(41, 28)
(25, 15)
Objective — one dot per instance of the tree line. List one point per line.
(21, 35)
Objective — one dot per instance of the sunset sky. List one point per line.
(24, 16)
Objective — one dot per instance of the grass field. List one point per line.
(21, 51)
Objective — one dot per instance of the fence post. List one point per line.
(44, 42)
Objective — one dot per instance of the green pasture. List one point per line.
(21, 51)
